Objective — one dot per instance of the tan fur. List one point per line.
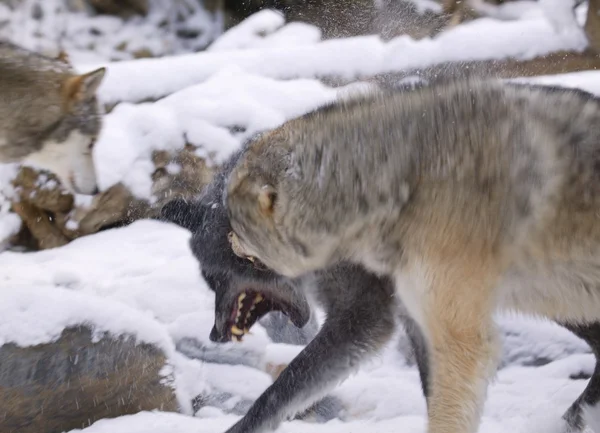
(454, 274)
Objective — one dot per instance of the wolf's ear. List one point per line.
(82, 87)
(267, 197)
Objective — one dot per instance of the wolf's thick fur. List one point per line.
(474, 195)
(341, 291)
(354, 329)
(49, 116)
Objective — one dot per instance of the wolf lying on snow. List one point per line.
(49, 116)
(474, 196)
(342, 290)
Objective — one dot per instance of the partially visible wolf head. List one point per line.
(244, 291)
(261, 201)
(49, 116)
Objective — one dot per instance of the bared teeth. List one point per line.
(258, 299)
(236, 331)
(241, 297)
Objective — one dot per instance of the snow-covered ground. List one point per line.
(49, 26)
(143, 280)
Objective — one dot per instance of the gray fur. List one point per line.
(228, 274)
(371, 173)
(336, 351)
(482, 184)
(49, 111)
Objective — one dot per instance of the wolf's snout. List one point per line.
(84, 182)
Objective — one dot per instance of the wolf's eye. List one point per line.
(92, 143)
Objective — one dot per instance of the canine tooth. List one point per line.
(236, 331)
(241, 297)
(253, 307)
(258, 299)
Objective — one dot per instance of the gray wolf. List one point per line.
(232, 277)
(474, 196)
(49, 116)
(246, 292)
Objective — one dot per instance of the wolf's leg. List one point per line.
(419, 346)
(454, 304)
(590, 333)
(356, 327)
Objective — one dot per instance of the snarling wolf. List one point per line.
(341, 291)
(246, 292)
(49, 116)
(474, 196)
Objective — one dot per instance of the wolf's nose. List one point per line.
(95, 191)
(214, 335)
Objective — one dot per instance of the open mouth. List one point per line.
(250, 307)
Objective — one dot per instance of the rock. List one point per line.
(52, 218)
(116, 205)
(143, 53)
(592, 25)
(43, 189)
(183, 174)
(41, 226)
(76, 381)
(122, 8)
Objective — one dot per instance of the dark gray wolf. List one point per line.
(246, 292)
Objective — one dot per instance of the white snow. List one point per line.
(10, 223)
(523, 9)
(205, 115)
(103, 38)
(481, 39)
(251, 81)
(143, 281)
(266, 28)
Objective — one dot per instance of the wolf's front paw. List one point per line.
(246, 427)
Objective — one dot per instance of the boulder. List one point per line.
(52, 217)
(76, 380)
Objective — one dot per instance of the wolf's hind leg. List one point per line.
(590, 397)
(419, 348)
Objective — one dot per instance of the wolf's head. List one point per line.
(265, 215)
(67, 144)
(244, 291)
